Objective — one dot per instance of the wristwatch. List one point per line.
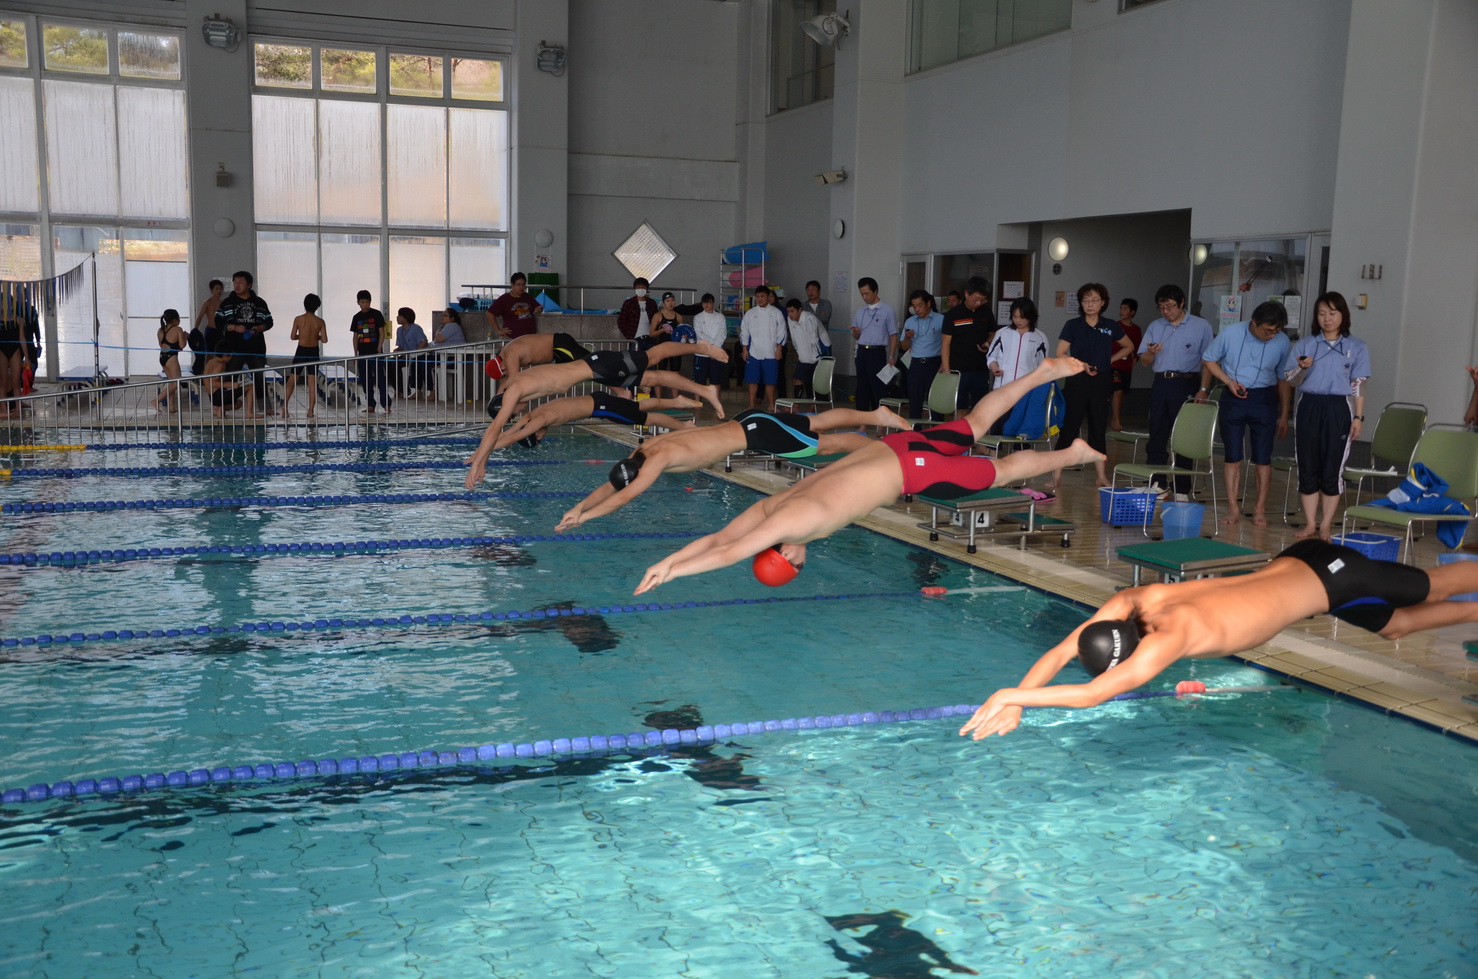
(1359, 418)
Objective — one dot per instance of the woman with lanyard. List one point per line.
(1329, 367)
(923, 339)
(1097, 342)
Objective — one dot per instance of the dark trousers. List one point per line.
(1322, 438)
(1085, 399)
(921, 374)
(371, 371)
(974, 385)
(869, 361)
(1166, 398)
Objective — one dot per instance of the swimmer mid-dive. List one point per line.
(533, 349)
(931, 462)
(786, 435)
(1159, 624)
(531, 427)
(613, 368)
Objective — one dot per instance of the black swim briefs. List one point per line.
(617, 368)
(615, 409)
(787, 436)
(567, 349)
(1361, 591)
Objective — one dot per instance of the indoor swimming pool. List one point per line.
(299, 592)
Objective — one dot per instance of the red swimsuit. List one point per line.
(934, 461)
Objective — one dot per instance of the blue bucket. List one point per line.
(1182, 519)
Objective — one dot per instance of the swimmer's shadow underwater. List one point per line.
(893, 951)
(588, 632)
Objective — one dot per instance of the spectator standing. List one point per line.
(242, 319)
(923, 338)
(515, 313)
(1017, 352)
(1248, 358)
(1123, 370)
(311, 333)
(635, 318)
(761, 335)
(875, 328)
(368, 327)
(205, 318)
(807, 338)
(968, 328)
(821, 309)
(1173, 346)
(1097, 341)
(710, 326)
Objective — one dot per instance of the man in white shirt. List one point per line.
(761, 335)
(807, 336)
(710, 327)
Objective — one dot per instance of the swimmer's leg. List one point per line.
(834, 418)
(1020, 466)
(833, 443)
(999, 402)
(668, 379)
(671, 348)
(1428, 615)
(1457, 578)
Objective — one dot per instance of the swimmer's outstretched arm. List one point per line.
(477, 462)
(607, 499)
(746, 535)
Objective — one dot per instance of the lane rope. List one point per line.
(356, 467)
(244, 446)
(192, 503)
(506, 753)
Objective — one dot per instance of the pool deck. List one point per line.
(1423, 677)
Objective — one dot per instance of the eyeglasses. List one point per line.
(1166, 307)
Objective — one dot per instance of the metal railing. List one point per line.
(610, 297)
(446, 388)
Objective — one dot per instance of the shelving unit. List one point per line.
(737, 280)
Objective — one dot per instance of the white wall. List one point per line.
(652, 135)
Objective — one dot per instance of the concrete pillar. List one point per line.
(540, 142)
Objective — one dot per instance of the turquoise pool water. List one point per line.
(1284, 834)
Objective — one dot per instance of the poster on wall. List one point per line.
(1013, 290)
(839, 283)
(1295, 307)
(1072, 304)
(1229, 311)
(1003, 313)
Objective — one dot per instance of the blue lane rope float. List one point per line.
(355, 467)
(433, 619)
(198, 503)
(507, 752)
(69, 559)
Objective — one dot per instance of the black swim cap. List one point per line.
(494, 405)
(623, 472)
(1106, 643)
(529, 441)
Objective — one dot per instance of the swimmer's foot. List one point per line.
(885, 417)
(1054, 368)
(689, 403)
(710, 394)
(1080, 452)
(704, 349)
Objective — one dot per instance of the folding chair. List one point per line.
(1397, 431)
(1193, 437)
(1450, 451)
(821, 388)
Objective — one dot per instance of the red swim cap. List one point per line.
(494, 369)
(770, 568)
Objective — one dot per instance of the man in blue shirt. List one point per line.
(875, 328)
(1172, 347)
(1248, 359)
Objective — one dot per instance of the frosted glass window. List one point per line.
(416, 164)
(283, 65)
(83, 49)
(416, 74)
(417, 277)
(284, 161)
(14, 52)
(478, 170)
(287, 270)
(153, 174)
(349, 182)
(148, 55)
(20, 186)
(81, 148)
(156, 276)
(645, 254)
(476, 260)
(346, 71)
(74, 314)
(20, 251)
(350, 263)
(476, 79)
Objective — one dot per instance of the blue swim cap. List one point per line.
(1106, 643)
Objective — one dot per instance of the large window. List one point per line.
(943, 31)
(801, 71)
(1230, 278)
(95, 162)
(376, 169)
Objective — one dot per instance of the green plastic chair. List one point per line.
(943, 391)
(1193, 437)
(821, 387)
(1397, 431)
(1450, 451)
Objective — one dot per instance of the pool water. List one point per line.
(1269, 834)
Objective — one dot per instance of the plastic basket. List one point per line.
(1182, 519)
(1471, 596)
(1377, 547)
(1126, 506)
